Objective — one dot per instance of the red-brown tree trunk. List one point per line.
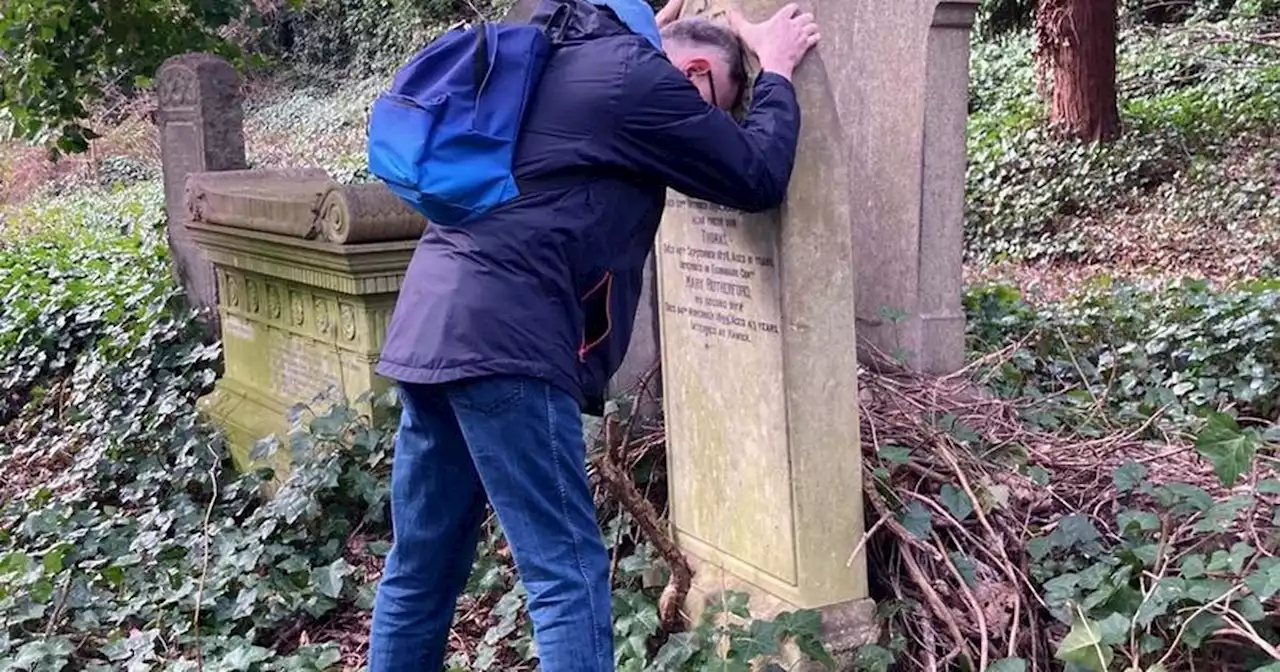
(1076, 48)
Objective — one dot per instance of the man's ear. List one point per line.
(697, 66)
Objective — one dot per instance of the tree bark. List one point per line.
(1076, 50)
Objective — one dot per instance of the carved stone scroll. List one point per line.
(367, 213)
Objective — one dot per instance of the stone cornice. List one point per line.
(360, 269)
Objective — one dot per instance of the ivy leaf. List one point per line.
(1166, 591)
(917, 519)
(1008, 665)
(964, 565)
(328, 579)
(956, 501)
(1132, 522)
(244, 656)
(1265, 581)
(873, 658)
(679, 649)
(1129, 476)
(1200, 627)
(1230, 449)
(1083, 647)
(894, 453)
(1192, 566)
(1114, 629)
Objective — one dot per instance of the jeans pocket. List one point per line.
(491, 395)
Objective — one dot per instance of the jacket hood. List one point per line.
(578, 20)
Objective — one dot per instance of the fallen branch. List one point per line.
(628, 496)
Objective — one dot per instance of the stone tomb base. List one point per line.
(308, 272)
(302, 322)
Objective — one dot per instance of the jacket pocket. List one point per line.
(597, 315)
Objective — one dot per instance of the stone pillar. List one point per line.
(941, 257)
(201, 118)
(901, 86)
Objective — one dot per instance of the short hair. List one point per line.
(696, 31)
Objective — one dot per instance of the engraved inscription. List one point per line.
(721, 283)
(301, 369)
(724, 388)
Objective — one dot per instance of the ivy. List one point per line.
(1193, 104)
(1174, 577)
(1177, 351)
(128, 540)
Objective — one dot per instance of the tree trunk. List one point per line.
(1076, 45)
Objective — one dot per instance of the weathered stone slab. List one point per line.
(759, 312)
(302, 203)
(274, 201)
(201, 120)
(899, 75)
(760, 380)
(303, 318)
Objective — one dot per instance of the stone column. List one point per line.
(941, 258)
(902, 93)
(201, 118)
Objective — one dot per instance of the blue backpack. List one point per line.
(443, 137)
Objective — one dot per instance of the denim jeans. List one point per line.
(516, 442)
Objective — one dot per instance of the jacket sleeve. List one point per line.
(669, 132)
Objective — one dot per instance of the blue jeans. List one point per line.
(517, 442)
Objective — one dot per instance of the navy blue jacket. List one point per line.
(547, 285)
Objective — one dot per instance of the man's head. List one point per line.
(710, 55)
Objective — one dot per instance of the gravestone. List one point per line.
(308, 272)
(201, 120)
(759, 313)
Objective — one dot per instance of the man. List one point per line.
(508, 328)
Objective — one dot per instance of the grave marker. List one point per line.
(201, 120)
(759, 312)
(760, 382)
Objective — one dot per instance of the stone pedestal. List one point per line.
(308, 273)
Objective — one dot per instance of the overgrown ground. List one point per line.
(1112, 504)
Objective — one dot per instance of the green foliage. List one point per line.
(1177, 349)
(364, 37)
(997, 17)
(127, 541)
(1187, 95)
(60, 54)
(1170, 577)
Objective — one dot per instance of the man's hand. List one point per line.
(781, 41)
(669, 12)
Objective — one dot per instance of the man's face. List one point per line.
(709, 73)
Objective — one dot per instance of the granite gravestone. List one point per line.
(201, 120)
